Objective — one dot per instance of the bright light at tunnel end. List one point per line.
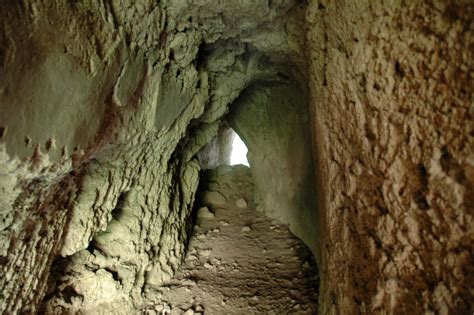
(239, 152)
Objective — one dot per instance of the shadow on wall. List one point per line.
(273, 121)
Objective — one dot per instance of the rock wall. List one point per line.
(273, 120)
(392, 107)
(104, 106)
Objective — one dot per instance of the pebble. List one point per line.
(205, 252)
(224, 223)
(189, 312)
(246, 229)
(192, 257)
(208, 266)
(213, 198)
(205, 213)
(241, 203)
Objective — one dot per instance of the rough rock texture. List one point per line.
(239, 261)
(392, 103)
(104, 106)
(273, 120)
(219, 150)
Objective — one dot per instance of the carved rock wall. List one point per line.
(104, 106)
(392, 105)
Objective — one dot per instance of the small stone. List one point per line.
(192, 257)
(208, 266)
(246, 229)
(201, 236)
(255, 298)
(241, 203)
(213, 198)
(189, 312)
(205, 252)
(224, 223)
(199, 308)
(216, 230)
(306, 265)
(205, 213)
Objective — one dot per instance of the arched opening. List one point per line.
(260, 218)
(239, 151)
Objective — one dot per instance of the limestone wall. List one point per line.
(103, 108)
(105, 105)
(392, 106)
(273, 120)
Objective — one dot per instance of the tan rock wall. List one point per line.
(103, 108)
(392, 105)
(273, 120)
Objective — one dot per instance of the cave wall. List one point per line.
(392, 108)
(105, 105)
(104, 108)
(272, 119)
(219, 150)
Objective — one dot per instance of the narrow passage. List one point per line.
(239, 261)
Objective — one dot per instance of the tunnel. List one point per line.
(121, 193)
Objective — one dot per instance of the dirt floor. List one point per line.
(239, 261)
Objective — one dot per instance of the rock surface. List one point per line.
(262, 271)
(392, 105)
(104, 109)
(273, 120)
(110, 109)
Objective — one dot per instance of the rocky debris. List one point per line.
(204, 213)
(237, 274)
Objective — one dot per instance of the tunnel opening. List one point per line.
(239, 151)
(261, 217)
